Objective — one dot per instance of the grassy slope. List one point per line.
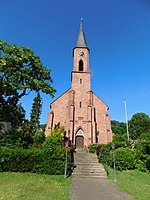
(136, 183)
(28, 186)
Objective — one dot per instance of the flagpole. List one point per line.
(125, 107)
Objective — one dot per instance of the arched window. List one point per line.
(81, 65)
(80, 104)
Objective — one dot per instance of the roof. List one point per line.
(59, 96)
(81, 41)
(101, 100)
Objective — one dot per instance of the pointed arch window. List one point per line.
(81, 66)
(80, 104)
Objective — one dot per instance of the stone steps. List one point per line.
(89, 163)
(88, 176)
(87, 166)
(90, 171)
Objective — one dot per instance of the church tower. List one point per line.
(83, 115)
(81, 70)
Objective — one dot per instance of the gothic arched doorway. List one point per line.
(79, 141)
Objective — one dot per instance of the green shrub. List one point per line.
(16, 138)
(92, 148)
(105, 156)
(16, 159)
(119, 144)
(31, 160)
(145, 136)
(143, 145)
(125, 159)
(38, 138)
(118, 138)
(141, 166)
(141, 160)
(49, 159)
(148, 162)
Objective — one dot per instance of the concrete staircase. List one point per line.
(87, 166)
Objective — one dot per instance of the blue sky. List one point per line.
(117, 33)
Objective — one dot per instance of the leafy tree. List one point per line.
(139, 123)
(143, 143)
(118, 127)
(13, 113)
(58, 132)
(16, 114)
(21, 72)
(118, 138)
(36, 112)
(17, 137)
(145, 136)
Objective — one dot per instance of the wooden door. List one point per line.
(79, 142)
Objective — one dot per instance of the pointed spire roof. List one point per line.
(81, 41)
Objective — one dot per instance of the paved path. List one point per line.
(95, 189)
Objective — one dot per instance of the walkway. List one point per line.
(96, 189)
(89, 181)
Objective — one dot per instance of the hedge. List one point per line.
(33, 160)
(92, 147)
(125, 159)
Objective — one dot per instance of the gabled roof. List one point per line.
(81, 41)
(59, 96)
(101, 100)
(70, 89)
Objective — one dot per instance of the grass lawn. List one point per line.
(29, 186)
(135, 183)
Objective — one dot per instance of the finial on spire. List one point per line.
(81, 21)
(81, 41)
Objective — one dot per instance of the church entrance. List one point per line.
(79, 142)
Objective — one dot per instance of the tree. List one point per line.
(36, 112)
(139, 123)
(13, 113)
(21, 72)
(19, 115)
(118, 127)
(17, 137)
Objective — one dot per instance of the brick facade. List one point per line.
(83, 114)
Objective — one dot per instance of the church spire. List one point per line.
(81, 41)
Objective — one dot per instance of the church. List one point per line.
(79, 110)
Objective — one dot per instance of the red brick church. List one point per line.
(82, 113)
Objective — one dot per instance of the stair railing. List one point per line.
(104, 162)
